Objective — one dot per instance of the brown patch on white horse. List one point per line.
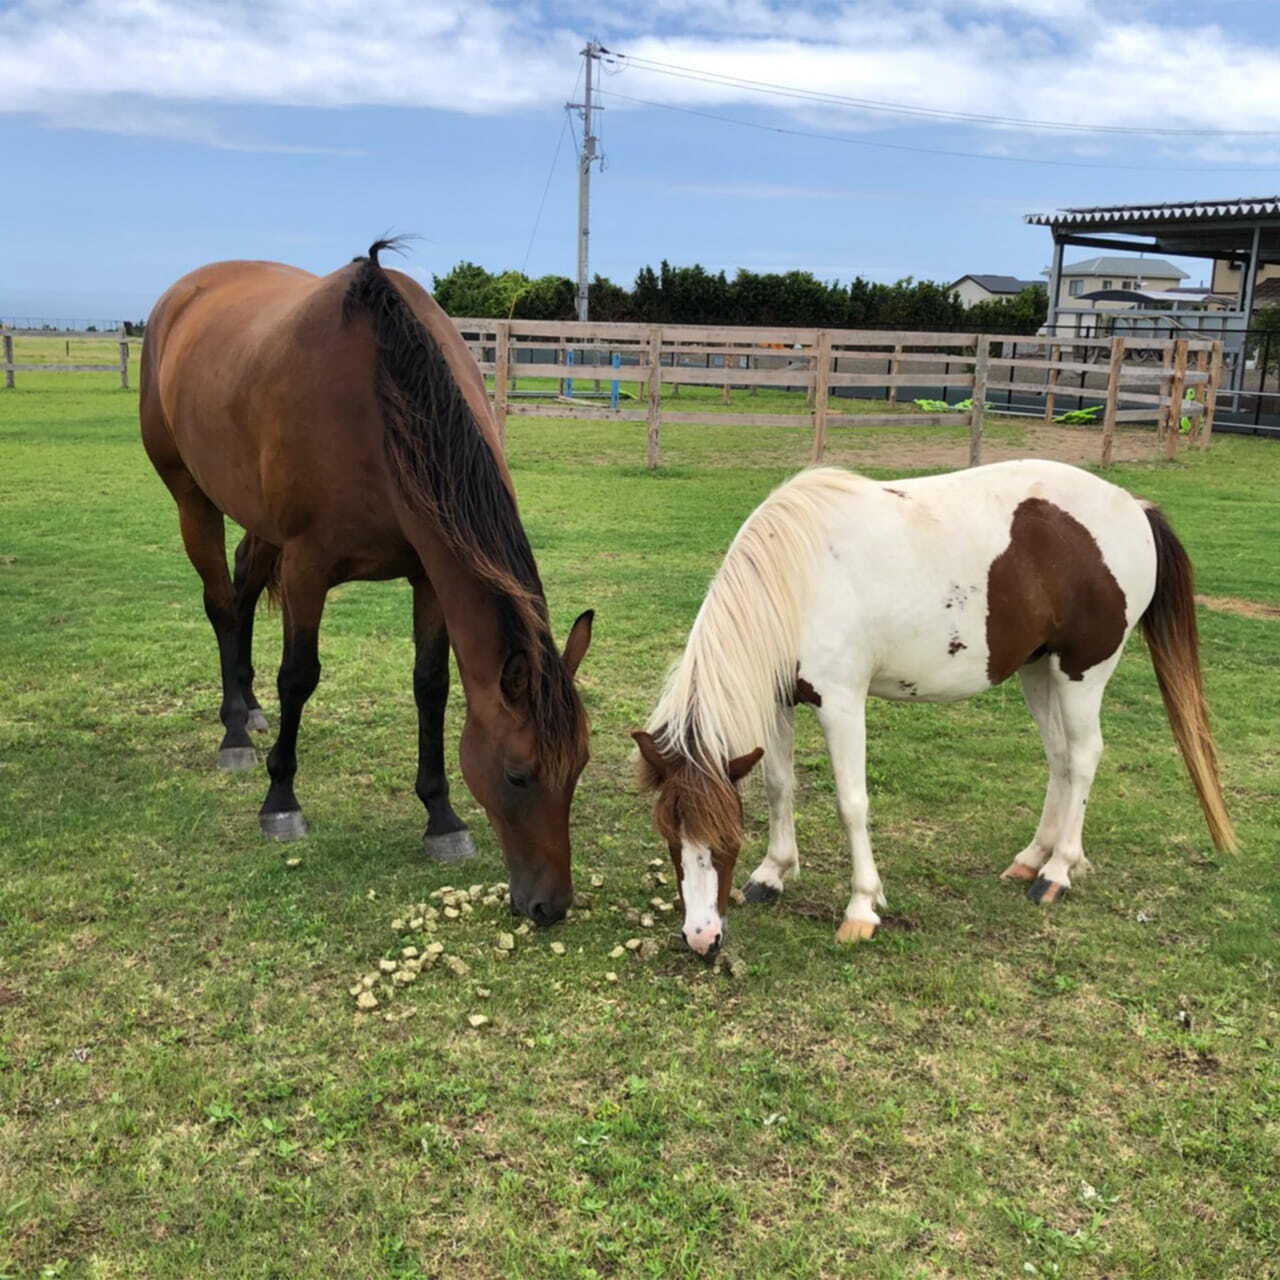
(1051, 591)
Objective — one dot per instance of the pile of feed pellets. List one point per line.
(422, 939)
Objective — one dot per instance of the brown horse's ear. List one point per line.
(650, 753)
(739, 768)
(514, 681)
(575, 647)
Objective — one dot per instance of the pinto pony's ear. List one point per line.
(739, 768)
(575, 647)
(649, 753)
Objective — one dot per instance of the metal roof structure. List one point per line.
(1244, 230)
(1195, 229)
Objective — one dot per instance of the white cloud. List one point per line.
(74, 62)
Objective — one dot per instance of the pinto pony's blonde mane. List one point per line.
(722, 698)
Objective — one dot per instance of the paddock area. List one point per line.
(189, 1085)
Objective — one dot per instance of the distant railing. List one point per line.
(1157, 380)
(10, 367)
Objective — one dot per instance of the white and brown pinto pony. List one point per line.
(932, 590)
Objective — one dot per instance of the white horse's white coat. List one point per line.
(883, 592)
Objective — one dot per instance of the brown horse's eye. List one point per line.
(517, 779)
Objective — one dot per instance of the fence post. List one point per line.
(655, 394)
(8, 359)
(894, 367)
(124, 365)
(1113, 397)
(501, 377)
(1211, 395)
(820, 387)
(978, 413)
(1055, 354)
(1177, 388)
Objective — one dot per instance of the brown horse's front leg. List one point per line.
(447, 838)
(304, 591)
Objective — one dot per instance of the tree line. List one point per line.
(694, 295)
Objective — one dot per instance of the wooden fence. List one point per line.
(10, 367)
(1161, 381)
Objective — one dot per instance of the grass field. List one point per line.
(986, 1089)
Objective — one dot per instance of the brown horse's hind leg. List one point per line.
(256, 561)
(204, 536)
(447, 838)
(303, 588)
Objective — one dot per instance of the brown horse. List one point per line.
(343, 423)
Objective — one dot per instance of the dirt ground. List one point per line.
(1022, 438)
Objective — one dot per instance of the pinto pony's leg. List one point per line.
(782, 859)
(844, 721)
(204, 536)
(256, 561)
(303, 590)
(1079, 704)
(1037, 687)
(447, 838)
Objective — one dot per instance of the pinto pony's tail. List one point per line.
(1169, 625)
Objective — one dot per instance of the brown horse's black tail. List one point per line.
(1169, 625)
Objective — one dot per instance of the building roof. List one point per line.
(1246, 207)
(1187, 228)
(1147, 268)
(1001, 284)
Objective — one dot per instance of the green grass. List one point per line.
(987, 1089)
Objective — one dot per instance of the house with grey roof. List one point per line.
(973, 289)
(1104, 274)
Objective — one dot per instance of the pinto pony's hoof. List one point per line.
(453, 846)
(854, 931)
(758, 891)
(290, 825)
(1046, 891)
(237, 759)
(257, 721)
(1018, 871)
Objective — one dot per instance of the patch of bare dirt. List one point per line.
(1241, 608)
(920, 448)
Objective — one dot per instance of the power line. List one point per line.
(906, 109)
(928, 151)
(564, 128)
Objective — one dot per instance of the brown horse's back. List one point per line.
(257, 387)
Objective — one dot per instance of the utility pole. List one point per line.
(588, 156)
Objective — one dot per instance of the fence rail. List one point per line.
(1179, 392)
(10, 366)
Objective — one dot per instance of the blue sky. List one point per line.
(141, 138)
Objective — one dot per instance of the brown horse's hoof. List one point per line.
(1046, 891)
(257, 721)
(855, 931)
(1018, 871)
(237, 759)
(290, 825)
(758, 891)
(453, 846)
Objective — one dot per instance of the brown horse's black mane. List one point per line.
(446, 469)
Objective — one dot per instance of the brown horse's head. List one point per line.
(523, 746)
(697, 811)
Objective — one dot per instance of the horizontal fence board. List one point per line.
(897, 338)
(956, 380)
(898, 420)
(60, 368)
(594, 412)
(713, 419)
(681, 376)
(604, 372)
(904, 357)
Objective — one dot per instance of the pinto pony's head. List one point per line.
(698, 812)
